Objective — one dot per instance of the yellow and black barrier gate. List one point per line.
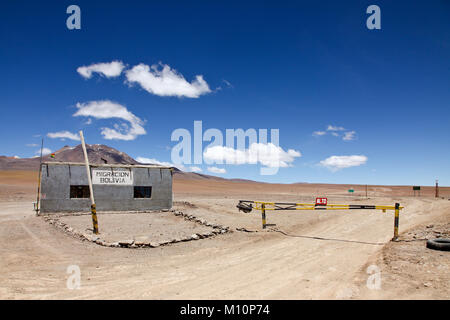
(249, 205)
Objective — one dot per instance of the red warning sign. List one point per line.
(321, 201)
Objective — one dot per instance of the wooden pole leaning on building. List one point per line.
(91, 191)
(39, 181)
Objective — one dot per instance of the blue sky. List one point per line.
(294, 66)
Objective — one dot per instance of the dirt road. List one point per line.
(240, 265)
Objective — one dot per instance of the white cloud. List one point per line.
(106, 109)
(335, 163)
(335, 128)
(348, 136)
(109, 69)
(268, 155)
(45, 151)
(161, 163)
(32, 145)
(319, 133)
(153, 161)
(334, 131)
(227, 84)
(168, 164)
(216, 170)
(63, 135)
(166, 81)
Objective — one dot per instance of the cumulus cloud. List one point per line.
(63, 135)
(319, 133)
(348, 136)
(268, 155)
(336, 132)
(227, 85)
(166, 81)
(108, 69)
(335, 163)
(335, 128)
(45, 151)
(167, 164)
(154, 161)
(217, 170)
(161, 163)
(106, 109)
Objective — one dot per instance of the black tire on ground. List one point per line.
(439, 244)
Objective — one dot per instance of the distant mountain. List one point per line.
(194, 176)
(97, 153)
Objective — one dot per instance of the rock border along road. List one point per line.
(54, 219)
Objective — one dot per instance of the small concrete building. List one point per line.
(65, 187)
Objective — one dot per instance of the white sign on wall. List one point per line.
(112, 176)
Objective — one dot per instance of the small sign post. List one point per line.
(416, 188)
(321, 201)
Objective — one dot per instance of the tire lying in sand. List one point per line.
(439, 244)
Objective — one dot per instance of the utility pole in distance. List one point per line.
(437, 188)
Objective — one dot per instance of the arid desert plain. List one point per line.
(306, 255)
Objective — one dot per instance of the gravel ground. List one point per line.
(322, 255)
(151, 226)
(420, 271)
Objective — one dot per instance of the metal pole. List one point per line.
(263, 215)
(437, 189)
(91, 191)
(397, 215)
(39, 180)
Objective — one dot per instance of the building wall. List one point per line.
(57, 179)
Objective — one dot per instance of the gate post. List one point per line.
(263, 215)
(94, 218)
(397, 215)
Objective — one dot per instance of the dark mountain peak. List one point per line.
(97, 154)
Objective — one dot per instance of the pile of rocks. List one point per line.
(430, 231)
(131, 243)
